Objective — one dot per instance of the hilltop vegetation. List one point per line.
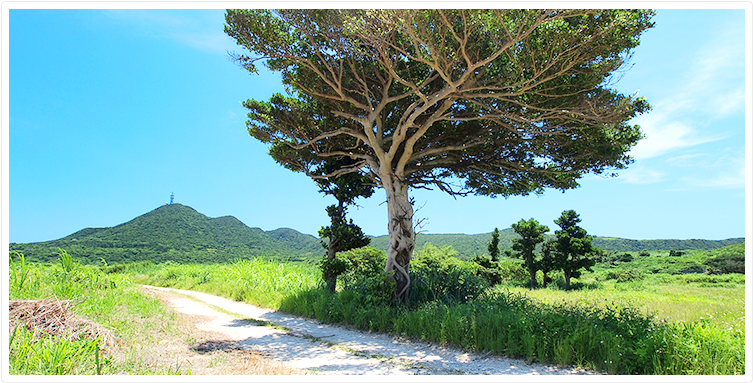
(178, 233)
(471, 245)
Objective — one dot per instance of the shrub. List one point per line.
(438, 275)
(727, 263)
(513, 271)
(625, 275)
(488, 270)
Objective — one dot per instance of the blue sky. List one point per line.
(109, 111)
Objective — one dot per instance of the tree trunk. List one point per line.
(333, 247)
(329, 279)
(402, 240)
(532, 272)
(567, 279)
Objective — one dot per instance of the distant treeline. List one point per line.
(179, 233)
(471, 245)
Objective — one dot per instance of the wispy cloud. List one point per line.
(725, 168)
(642, 175)
(199, 29)
(713, 88)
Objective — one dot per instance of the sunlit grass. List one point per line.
(256, 281)
(654, 324)
(137, 320)
(722, 306)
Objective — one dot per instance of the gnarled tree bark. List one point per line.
(402, 240)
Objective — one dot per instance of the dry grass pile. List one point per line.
(53, 317)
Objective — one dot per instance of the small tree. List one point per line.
(493, 245)
(341, 235)
(573, 246)
(531, 234)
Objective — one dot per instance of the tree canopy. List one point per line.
(573, 246)
(487, 102)
(531, 234)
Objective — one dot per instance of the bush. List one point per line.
(438, 275)
(625, 275)
(361, 264)
(513, 271)
(626, 257)
(727, 263)
(488, 270)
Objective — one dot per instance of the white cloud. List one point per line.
(641, 175)
(665, 134)
(712, 88)
(725, 168)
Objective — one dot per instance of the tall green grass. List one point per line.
(110, 299)
(593, 329)
(256, 281)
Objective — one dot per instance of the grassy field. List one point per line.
(626, 317)
(111, 300)
(139, 328)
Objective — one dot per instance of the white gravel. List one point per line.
(318, 348)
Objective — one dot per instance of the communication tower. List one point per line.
(172, 197)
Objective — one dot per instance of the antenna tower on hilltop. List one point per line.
(172, 197)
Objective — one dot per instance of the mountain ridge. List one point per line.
(179, 233)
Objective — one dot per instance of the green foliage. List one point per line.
(387, 76)
(438, 275)
(494, 246)
(471, 245)
(573, 246)
(623, 245)
(700, 348)
(628, 275)
(341, 235)
(53, 355)
(531, 234)
(334, 267)
(730, 259)
(263, 282)
(513, 271)
(608, 335)
(365, 262)
(109, 299)
(488, 270)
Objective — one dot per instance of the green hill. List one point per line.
(177, 233)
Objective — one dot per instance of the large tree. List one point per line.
(487, 102)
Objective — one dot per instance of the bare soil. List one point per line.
(205, 349)
(237, 338)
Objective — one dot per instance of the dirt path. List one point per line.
(314, 348)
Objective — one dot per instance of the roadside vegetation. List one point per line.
(650, 322)
(636, 313)
(68, 318)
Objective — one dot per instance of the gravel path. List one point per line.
(317, 348)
